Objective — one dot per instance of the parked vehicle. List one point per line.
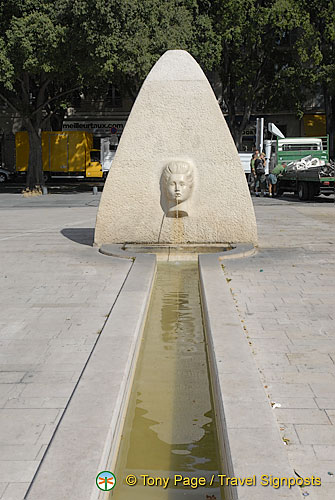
(287, 150)
(245, 160)
(307, 177)
(64, 155)
(294, 148)
(4, 175)
(108, 147)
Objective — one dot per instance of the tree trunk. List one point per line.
(236, 132)
(34, 126)
(232, 117)
(330, 119)
(35, 171)
(236, 128)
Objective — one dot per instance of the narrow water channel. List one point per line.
(169, 428)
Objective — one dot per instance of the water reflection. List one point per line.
(169, 427)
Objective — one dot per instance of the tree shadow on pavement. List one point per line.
(81, 235)
(317, 199)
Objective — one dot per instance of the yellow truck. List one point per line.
(64, 155)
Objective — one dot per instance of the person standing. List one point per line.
(252, 179)
(252, 172)
(259, 170)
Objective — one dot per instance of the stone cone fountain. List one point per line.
(176, 177)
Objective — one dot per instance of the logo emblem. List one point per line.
(105, 480)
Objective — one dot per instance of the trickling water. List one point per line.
(178, 228)
(169, 427)
(178, 231)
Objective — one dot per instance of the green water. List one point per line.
(169, 427)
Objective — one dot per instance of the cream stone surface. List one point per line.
(176, 118)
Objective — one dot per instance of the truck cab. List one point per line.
(94, 169)
(108, 147)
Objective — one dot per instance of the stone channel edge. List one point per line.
(247, 430)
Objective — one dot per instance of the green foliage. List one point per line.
(270, 51)
(321, 48)
(151, 27)
(32, 41)
(6, 67)
(92, 42)
(51, 50)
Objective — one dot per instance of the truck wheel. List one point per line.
(3, 178)
(311, 190)
(303, 191)
(46, 177)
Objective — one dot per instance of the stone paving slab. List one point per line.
(284, 296)
(56, 293)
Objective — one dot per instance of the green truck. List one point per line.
(288, 149)
(294, 148)
(307, 177)
(308, 172)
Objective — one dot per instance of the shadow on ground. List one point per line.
(290, 198)
(316, 199)
(82, 235)
(54, 187)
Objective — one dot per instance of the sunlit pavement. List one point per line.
(57, 290)
(56, 293)
(285, 295)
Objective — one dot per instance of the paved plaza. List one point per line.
(57, 292)
(285, 295)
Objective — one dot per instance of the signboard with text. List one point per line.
(96, 127)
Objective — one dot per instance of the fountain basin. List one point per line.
(169, 252)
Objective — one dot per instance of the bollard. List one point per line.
(44, 190)
(95, 190)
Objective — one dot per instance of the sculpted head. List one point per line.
(178, 182)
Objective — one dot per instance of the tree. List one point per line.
(49, 51)
(319, 48)
(259, 45)
(150, 27)
(42, 60)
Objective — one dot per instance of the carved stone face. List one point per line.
(178, 187)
